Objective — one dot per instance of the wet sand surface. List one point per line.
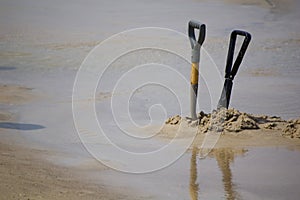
(24, 175)
(42, 45)
(33, 170)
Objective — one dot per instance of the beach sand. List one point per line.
(26, 174)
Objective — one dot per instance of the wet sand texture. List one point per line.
(15, 94)
(25, 176)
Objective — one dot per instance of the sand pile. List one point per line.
(232, 120)
(292, 129)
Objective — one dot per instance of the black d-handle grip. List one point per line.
(230, 71)
(196, 25)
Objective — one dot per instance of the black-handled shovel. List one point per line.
(230, 71)
(196, 45)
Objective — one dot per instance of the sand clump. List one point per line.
(174, 120)
(234, 121)
(292, 129)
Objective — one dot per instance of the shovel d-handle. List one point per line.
(195, 59)
(202, 29)
(231, 71)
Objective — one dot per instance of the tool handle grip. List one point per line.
(195, 24)
(242, 33)
(230, 71)
(202, 29)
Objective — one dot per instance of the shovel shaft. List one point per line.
(194, 73)
(194, 89)
(196, 44)
(226, 93)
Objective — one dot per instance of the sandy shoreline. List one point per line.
(25, 175)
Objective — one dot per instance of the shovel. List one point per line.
(196, 45)
(230, 71)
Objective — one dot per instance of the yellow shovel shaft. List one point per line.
(195, 73)
(194, 89)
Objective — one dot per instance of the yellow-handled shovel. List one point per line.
(196, 46)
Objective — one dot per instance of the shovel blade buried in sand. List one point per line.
(231, 71)
(195, 59)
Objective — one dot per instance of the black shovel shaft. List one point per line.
(226, 93)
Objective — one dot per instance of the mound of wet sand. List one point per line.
(234, 121)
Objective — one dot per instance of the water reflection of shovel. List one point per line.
(196, 45)
(224, 158)
(230, 71)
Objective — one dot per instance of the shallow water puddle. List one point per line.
(267, 173)
(257, 173)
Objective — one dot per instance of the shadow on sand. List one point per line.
(4, 68)
(20, 126)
